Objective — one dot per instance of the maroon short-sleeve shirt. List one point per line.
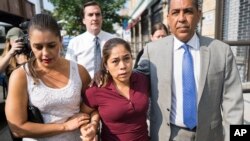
(122, 119)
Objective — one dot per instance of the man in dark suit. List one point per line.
(195, 85)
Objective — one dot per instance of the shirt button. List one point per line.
(168, 109)
(168, 124)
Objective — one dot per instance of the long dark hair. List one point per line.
(108, 46)
(42, 22)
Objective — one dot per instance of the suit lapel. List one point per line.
(168, 61)
(204, 62)
(165, 68)
(168, 67)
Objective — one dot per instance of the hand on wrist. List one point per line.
(95, 123)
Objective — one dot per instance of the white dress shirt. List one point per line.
(81, 49)
(177, 92)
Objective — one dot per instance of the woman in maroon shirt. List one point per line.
(123, 99)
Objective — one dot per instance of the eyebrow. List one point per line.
(52, 42)
(96, 13)
(178, 9)
(122, 56)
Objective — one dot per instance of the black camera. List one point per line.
(26, 47)
(25, 40)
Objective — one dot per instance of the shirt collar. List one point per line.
(92, 37)
(193, 42)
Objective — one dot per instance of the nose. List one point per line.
(181, 17)
(95, 16)
(122, 65)
(45, 51)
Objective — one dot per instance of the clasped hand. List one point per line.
(89, 131)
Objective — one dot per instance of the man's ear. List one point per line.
(83, 21)
(200, 14)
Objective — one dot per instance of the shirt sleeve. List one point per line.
(70, 53)
(89, 98)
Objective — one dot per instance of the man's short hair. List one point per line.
(196, 3)
(89, 3)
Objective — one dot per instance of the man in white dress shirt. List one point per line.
(81, 49)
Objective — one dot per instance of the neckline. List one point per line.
(64, 87)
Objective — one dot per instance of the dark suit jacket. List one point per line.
(220, 99)
(138, 58)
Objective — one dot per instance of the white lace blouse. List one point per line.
(57, 105)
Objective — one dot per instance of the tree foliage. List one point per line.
(68, 13)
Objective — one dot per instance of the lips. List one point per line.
(46, 60)
(123, 74)
(95, 23)
(182, 27)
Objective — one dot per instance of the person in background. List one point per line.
(123, 99)
(15, 53)
(159, 30)
(50, 83)
(85, 49)
(196, 90)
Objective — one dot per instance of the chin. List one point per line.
(124, 79)
(183, 38)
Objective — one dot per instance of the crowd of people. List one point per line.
(186, 84)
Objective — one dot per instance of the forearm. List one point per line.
(30, 129)
(89, 131)
(95, 118)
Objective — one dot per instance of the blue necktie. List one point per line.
(189, 89)
(97, 54)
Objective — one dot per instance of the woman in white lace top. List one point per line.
(49, 82)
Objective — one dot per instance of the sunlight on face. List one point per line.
(120, 64)
(45, 46)
(183, 18)
(93, 19)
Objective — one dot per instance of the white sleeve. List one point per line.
(71, 52)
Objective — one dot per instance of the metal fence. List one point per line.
(241, 50)
(136, 47)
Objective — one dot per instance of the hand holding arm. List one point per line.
(90, 130)
(76, 121)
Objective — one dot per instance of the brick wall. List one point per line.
(244, 20)
(230, 19)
